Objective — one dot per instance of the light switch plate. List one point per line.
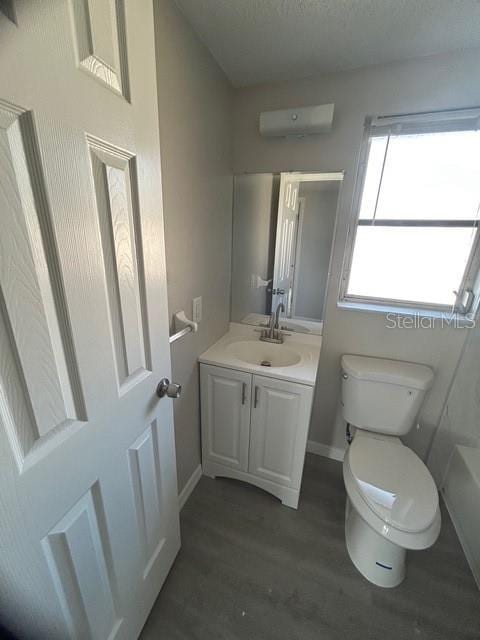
(197, 309)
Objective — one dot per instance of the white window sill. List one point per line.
(446, 317)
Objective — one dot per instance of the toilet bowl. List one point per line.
(392, 506)
(392, 501)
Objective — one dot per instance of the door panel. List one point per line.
(41, 390)
(146, 484)
(225, 416)
(88, 496)
(285, 242)
(75, 553)
(116, 189)
(279, 429)
(100, 40)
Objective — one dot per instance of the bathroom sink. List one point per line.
(263, 353)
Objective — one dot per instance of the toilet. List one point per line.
(392, 501)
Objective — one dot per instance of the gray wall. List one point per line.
(439, 82)
(255, 204)
(194, 102)
(316, 244)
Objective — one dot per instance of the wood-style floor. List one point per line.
(252, 569)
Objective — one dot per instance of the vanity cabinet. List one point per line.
(255, 428)
(278, 430)
(226, 398)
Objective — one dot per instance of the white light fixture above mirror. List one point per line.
(297, 122)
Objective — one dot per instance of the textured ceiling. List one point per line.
(269, 40)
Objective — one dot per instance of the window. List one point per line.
(417, 206)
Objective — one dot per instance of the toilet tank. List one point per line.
(383, 395)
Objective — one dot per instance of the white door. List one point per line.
(279, 429)
(285, 242)
(88, 496)
(225, 416)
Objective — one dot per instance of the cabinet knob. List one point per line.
(169, 389)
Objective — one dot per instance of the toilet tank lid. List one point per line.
(405, 374)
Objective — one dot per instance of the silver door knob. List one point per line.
(169, 389)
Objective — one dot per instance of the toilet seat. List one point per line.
(392, 490)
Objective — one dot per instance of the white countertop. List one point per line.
(307, 346)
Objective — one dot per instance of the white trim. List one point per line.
(455, 115)
(471, 276)
(189, 487)
(474, 568)
(325, 450)
(447, 317)
(298, 250)
(316, 177)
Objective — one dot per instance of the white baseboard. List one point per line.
(325, 450)
(189, 486)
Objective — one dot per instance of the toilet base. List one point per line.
(378, 559)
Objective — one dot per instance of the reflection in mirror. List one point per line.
(283, 228)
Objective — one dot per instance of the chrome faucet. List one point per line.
(275, 316)
(273, 333)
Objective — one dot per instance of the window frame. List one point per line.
(468, 297)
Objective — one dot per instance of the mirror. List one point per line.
(283, 228)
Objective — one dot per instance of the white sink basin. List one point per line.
(263, 353)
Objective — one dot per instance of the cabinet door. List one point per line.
(226, 398)
(279, 429)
